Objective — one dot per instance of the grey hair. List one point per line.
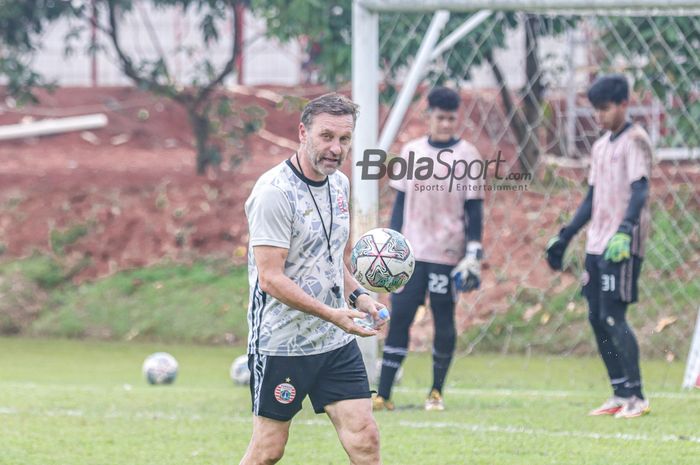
(332, 104)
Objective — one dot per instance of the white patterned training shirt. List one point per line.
(281, 213)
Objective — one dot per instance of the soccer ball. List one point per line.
(240, 374)
(160, 368)
(382, 260)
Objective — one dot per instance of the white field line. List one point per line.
(508, 429)
(542, 393)
(475, 392)
(474, 428)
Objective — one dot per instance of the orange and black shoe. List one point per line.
(380, 403)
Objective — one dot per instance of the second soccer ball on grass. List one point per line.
(239, 372)
(160, 368)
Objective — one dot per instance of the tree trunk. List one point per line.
(197, 103)
(532, 98)
(201, 128)
(526, 117)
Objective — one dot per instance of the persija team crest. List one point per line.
(285, 393)
(342, 204)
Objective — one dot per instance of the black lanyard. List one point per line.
(326, 232)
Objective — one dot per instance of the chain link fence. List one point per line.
(523, 78)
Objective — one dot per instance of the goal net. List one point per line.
(523, 69)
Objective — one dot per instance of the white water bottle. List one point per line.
(368, 322)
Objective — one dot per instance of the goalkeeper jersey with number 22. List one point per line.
(433, 217)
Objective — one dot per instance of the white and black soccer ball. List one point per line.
(382, 260)
(160, 368)
(240, 373)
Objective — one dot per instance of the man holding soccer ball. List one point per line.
(617, 207)
(301, 335)
(444, 227)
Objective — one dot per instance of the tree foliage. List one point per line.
(324, 26)
(327, 26)
(214, 118)
(668, 51)
(21, 26)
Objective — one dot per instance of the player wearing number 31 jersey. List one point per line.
(617, 207)
(443, 223)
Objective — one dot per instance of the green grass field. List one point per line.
(85, 403)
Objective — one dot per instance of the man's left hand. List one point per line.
(367, 304)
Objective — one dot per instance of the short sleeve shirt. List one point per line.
(433, 217)
(281, 213)
(615, 165)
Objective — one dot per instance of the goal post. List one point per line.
(413, 6)
(365, 92)
(652, 42)
(692, 368)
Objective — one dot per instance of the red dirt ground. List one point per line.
(142, 201)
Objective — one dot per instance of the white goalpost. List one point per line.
(561, 120)
(692, 368)
(365, 215)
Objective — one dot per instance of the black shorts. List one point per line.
(279, 384)
(427, 278)
(612, 281)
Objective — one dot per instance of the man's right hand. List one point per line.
(344, 319)
(555, 252)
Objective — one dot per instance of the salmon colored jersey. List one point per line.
(433, 219)
(615, 165)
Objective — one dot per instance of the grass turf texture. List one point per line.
(203, 302)
(85, 403)
(206, 302)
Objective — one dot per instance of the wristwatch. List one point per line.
(352, 299)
